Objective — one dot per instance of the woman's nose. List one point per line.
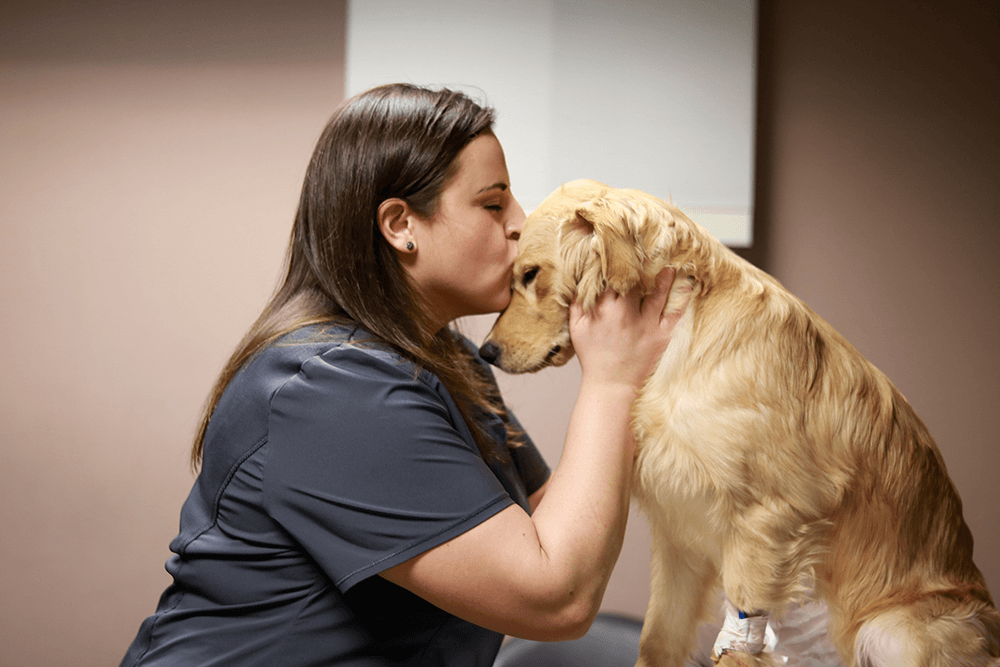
(516, 221)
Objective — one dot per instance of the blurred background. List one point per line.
(151, 156)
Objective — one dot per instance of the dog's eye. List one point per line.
(529, 275)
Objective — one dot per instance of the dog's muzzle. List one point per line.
(490, 351)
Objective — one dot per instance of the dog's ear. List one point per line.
(614, 241)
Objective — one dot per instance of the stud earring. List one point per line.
(409, 245)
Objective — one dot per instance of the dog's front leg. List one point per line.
(682, 585)
(771, 555)
(769, 559)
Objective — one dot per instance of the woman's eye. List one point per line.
(494, 207)
(529, 275)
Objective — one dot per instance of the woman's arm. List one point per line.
(535, 498)
(543, 576)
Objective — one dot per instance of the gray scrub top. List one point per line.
(327, 461)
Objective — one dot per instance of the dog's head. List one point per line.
(584, 238)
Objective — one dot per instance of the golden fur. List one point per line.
(773, 459)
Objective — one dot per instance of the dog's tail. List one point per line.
(943, 630)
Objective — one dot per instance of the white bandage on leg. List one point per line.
(741, 634)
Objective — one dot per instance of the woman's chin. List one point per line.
(497, 305)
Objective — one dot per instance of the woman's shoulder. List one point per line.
(347, 359)
(345, 346)
(312, 370)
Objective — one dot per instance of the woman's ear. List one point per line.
(395, 223)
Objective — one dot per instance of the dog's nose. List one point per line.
(490, 352)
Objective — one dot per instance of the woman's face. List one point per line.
(465, 251)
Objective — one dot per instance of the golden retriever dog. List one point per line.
(773, 460)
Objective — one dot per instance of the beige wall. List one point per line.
(879, 194)
(151, 156)
(148, 185)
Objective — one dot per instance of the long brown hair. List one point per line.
(392, 141)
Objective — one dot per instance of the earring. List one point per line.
(409, 245)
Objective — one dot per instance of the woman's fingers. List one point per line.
(624, 335)
(656, 301)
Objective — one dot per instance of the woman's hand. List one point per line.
(622, 338)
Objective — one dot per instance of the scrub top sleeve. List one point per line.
(530, 465)
(368, 466)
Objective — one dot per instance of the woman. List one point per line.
(364, 497)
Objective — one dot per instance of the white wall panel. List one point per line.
(651, 94)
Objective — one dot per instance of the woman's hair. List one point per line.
(395, 141)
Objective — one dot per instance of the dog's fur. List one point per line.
(772, 458)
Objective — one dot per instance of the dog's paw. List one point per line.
(738, 659)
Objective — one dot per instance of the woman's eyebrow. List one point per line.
(500, 184)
